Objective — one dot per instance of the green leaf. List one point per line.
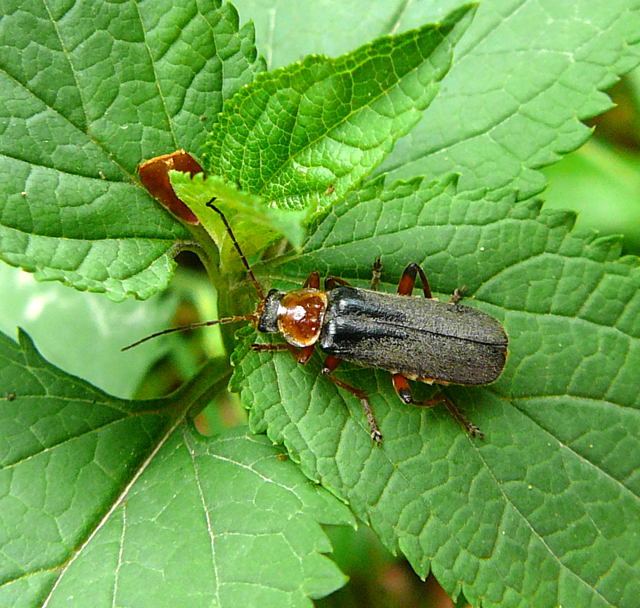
(633, 82)
(601, 183)
(67, 450)
(512, 99)
(89, 91)
(280, 138)
(105, 501)
(285, 31)
(255, 224)
(512, 102)
(546, 510)
(98, 328)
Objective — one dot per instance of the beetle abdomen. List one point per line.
(417, 337)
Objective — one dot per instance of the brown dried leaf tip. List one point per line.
(154, 174)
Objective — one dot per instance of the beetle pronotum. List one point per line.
(412, 338)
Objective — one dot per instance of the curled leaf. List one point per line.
(154, 174)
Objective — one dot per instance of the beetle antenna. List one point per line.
(193, 326)
(237, 246)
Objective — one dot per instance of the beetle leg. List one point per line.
(313, 280)
(331, 282)
(403, 390)
(471, 429)
(261, 348)
(330, 364)
(301, 355)
(375, 274)
(401, 385)
(458, 294)
(408, 280)
(304, 354)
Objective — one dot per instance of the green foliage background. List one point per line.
(122, 497)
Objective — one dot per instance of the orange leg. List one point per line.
(401, 385)
(330, 364)
(303, 355)
(408, 280)
(332, 282)
(313, 280)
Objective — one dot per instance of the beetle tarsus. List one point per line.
(376, 273)
(458, 294)
(407, 397)
(330, 364)
(375, 433)
(474, 431)
(471, 429)
(258, 348)
(261, 348)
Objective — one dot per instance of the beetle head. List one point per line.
(268, 320)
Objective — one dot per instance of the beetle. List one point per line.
(413, 338)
